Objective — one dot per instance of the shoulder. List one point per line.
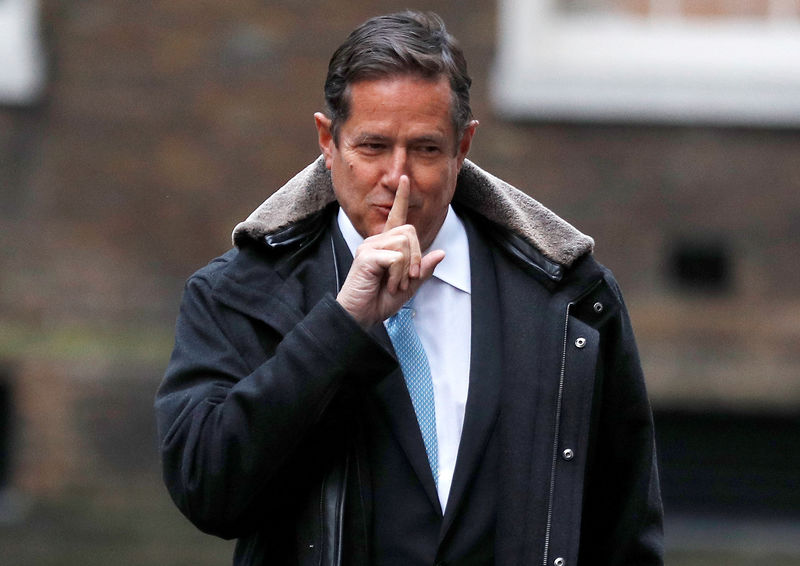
(208, 275)
(525, 255)
(583, 280)
(517, 213)
(589, 269)
(280, 251)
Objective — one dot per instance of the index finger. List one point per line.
(399, 211)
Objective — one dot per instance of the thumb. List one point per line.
(426, 268)
(429, 263)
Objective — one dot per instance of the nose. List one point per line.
(396, 167)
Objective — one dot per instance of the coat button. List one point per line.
(598, 307)
(568, 454)
(580, 342)
(559, 561)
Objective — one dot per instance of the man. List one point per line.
(308, 413)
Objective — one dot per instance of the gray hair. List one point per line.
(405, 43)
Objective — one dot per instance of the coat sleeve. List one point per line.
(226, 430)
(622, 520)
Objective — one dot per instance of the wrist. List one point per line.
(354, 312)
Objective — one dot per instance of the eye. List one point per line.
(372, 146)
(428, 149)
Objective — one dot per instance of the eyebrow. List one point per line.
(428, 138)
(434, 139)
(367, 137)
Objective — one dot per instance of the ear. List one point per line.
(466, 142)
(326, 142)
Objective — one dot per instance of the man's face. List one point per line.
(397, 126)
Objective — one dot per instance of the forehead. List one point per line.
(404, 99)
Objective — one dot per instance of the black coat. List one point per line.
(259, 442)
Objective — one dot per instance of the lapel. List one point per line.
(394, 401)
(485, 370)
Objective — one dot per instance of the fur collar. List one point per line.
(311, 190)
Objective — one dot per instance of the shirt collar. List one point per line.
(452, 238)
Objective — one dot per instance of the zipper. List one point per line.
(557, 430)
(556, 438)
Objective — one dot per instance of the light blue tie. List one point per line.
(417, 374)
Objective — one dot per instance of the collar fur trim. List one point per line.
(311, 190)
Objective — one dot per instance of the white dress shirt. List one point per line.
(443, 321)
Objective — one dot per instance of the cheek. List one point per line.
(439, 188)
(354, 176)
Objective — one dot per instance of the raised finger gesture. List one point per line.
(388, 267)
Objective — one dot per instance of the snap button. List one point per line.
(568, 454)
(598, 307)
(559, 561)
(580, 342)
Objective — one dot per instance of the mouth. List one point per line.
(388, 206)
(384, 209)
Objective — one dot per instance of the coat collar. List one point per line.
(311, 190)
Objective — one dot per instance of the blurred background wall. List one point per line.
(162, 124)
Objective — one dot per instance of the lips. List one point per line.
(389, 205)
(383, 208)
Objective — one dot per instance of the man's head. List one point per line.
(406, 43)
(398, 97)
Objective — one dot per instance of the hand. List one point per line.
(388, 267)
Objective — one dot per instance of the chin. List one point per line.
(375, 229)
